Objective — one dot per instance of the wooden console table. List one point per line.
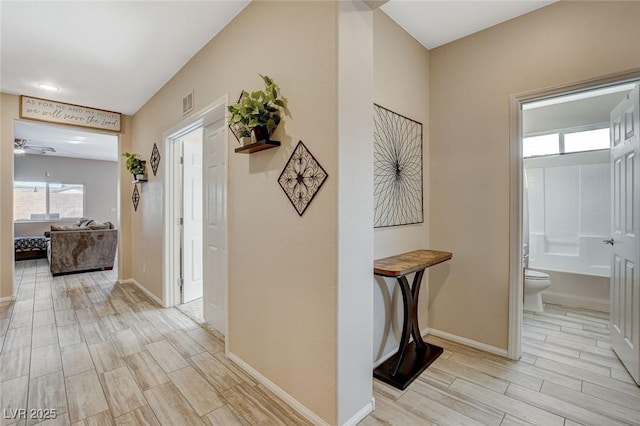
(414, 357)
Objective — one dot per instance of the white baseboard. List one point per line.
(144, 290)
(467, 342)
(294, 403)
(385, 357)
(574, 301)
(7, 299)
(448, 336)
(360, 415)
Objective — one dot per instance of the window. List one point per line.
(47, 201)
(567, 141)
(541, 145)
(588, 140)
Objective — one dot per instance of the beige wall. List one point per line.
(9, 105)
(471, 81)
(9, 112)
(125, 238)
(401, 83)
(283, 268)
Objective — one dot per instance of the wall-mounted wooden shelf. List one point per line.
(255, 147)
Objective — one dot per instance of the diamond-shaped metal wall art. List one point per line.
(302, 178)
(155, 159)
(135, 197)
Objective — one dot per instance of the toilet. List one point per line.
(534, 283)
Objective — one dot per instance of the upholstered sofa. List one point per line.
(78, 249)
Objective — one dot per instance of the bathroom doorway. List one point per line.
(560, 132)
(570, 156)
(567, 198)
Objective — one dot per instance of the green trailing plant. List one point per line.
(135, 164)
(260, 108)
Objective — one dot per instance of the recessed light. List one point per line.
(48, 87)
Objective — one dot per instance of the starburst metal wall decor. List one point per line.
(397, 170)
(135, 197)
(155, 159)
(301, 178)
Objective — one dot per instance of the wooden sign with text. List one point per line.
(74, 115)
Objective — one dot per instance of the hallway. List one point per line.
(88, 351)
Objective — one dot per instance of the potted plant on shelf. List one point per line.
(257, 114)
(136, 166)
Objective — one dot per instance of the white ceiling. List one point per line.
(434, 23)
(116, 55)
(103, 54)
(578, 109)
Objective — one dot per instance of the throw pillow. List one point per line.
(84, 222)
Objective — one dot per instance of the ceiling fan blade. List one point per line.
(42, 148)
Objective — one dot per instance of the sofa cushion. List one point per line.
(66, 228)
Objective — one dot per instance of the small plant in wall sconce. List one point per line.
(136, 166)
(256, 114)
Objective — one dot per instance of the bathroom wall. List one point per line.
(569, 216)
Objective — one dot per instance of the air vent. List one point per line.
(187, 104)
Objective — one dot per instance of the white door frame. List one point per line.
(516, 168)
(172, 234)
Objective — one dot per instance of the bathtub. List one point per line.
(579, 273)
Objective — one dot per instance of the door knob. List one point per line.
(609, 241)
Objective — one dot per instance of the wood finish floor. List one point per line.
(101, 353)
(104, 354)
(568, 375)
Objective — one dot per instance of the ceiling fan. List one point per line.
(21, 146)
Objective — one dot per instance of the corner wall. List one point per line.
(471, 80)
(401, 83)
(355, 213)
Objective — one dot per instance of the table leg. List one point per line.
(407, 321)
(415, 293)
(412, 358)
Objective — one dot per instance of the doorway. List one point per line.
(62, 174)
(191, 279)
(195, 244)
(517, 216)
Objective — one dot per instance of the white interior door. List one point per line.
(192, 273)
(625, 275)
(215, 226)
